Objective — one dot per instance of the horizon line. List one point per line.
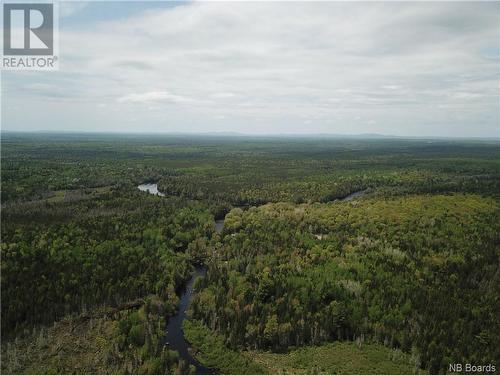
(248, 135)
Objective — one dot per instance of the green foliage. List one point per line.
(243, 171)
(214, 353)
(387, 270)
(116, 248)
(127, 341)
(343, 358)
(412, 264)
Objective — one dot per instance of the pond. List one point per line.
(151, 189)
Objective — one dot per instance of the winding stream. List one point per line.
(174, 334)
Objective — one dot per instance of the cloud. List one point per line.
(223, 95)
(409, 67)
(69, 7)
(134, 64)
(154, 97)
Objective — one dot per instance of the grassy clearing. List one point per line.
(340, 358)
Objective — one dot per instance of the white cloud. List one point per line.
(268, 66)
(153, 96)
(69, 7)
(223, 95)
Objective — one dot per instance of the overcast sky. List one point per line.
(417, 69)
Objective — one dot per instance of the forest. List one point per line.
(402, 277)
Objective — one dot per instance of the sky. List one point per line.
(405, 69)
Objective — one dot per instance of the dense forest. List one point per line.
(410, 266)
(385, 271)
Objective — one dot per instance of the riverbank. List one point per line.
(174, 338)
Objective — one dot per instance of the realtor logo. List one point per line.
(29, 36)
(35, 36)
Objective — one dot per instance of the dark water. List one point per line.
(175, 336)
(219, 225)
